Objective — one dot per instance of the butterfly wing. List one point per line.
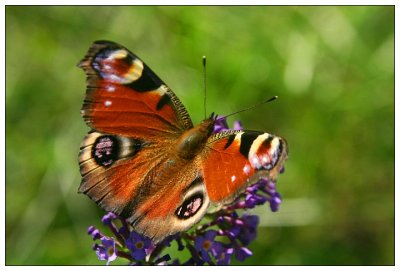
(233, 160)
(144, 184)
(127, 161)
(125, 97)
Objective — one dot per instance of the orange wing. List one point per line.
(125, 97)
(234, 160)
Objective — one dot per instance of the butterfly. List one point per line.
(143, 158)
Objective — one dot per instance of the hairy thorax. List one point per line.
(194, 140)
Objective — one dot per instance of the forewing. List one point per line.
(125, 97)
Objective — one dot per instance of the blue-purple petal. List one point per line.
(242, 253)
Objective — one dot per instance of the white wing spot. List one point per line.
(107, 103)
(255, 161)
(246, 169)
(110, 88)
(233, 178)
(265, 160)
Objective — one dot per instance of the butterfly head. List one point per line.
(207, 125)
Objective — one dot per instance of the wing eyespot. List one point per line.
(105, 150)
(190, 206)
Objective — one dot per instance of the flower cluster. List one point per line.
(226, 235)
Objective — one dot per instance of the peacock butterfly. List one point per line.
(144, 160)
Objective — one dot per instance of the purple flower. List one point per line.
(237, 125)
(249, 229)
(253, 199)
(124, 231)
(106, 251)
(138, 245)
(108, 218)
(275, 201)
(95, 233)
(272, 196)
(204, 244)
(222, 254)
(242, 253)
(243, 229)
(220, 124)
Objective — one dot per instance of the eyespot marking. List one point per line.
(118, 54)
(117, 66)
(247, 140)
(190, 206)
(106, 150)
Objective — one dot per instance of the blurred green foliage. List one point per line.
(332, 67)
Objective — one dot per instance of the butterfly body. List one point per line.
(144, 159)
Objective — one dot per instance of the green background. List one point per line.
(332, 68)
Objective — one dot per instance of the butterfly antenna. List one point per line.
(253, 106)
(205, 86)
